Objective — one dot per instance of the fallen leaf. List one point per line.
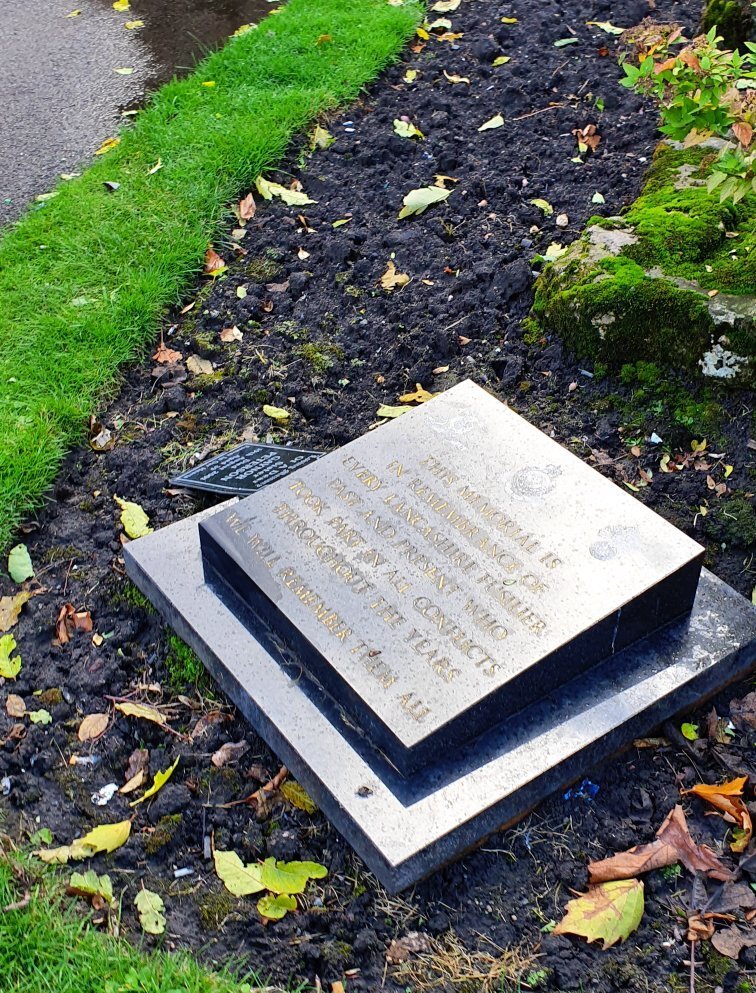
(501, 60)
(93, 726)
(214, 264)
(247, 208)
(728, 797)
(231, 334)
(19, 564)
(689, 731)
(135, 521)
(606, 26)
(69, 621)
(298, 796)
(497, 121)
(418, 201)
(123, 70)
(562, 42)
(419, 396)
(440, 24)
(134, 783)
(269, 190)
(104, 838)
(10, 609)
(731, 941)
(241, 292)
(161, 778)
(402, 949)
(673, 844)
(239, 879)
(276, 907)
(321, 138)
(15, 706)
(165, 355)
(9, 667)
(133, 25)
(108, 145)
(608, 912)
(743, 712)
(143, 711)
(276, 413)
(598, 198)
(445, 6)
(387, 411)
(40, 716)
(453, 78)
(88, 884)
(406, 129)
(290, 877)
(74, 13)
(150, 908)
(230, 752)
(391, 278)
(554, 251)
(121, 5)
(509, 20)
(587, 138)
(543, 205)
(302, 254)
(410, 76)
(743, 132)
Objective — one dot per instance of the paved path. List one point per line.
(60, 96)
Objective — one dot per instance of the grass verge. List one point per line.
(47, 947)
(85, 277)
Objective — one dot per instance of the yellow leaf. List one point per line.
(497, 121)
(108, 145)
(418, 201)
(456, 79)
(419, 396)
(10, 608)
(135, 522)
(9, 667)
(406, 129)
(161, 778)
(105, 838)
(134, 783)
(298, 796)
(143, 711)
(321, 138)
(501, 60)
(608, 912)
(410, 76)
(209, 83)
(290, 877)
(276, 413)
(121, 5)
(268, 190)
(274, 908)
(74, 13)
(445, 6)
(133, 25)
(386, 411)
(727, 473)
(239, 879)
(93, 726)
(391, 278)
(422, 33)
(509, 20)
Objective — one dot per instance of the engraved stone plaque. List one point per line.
(244, 469)
(444, 572)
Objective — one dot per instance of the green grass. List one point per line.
(85, 277)
(49, 947)
(184, 666)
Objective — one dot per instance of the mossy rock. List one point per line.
(733, 20)
(669, 282)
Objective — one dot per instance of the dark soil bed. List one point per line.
(323, 339)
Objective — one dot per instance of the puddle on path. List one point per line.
(60, 94)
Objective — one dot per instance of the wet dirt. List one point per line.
(323, 339)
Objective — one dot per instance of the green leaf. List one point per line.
(543, 205)
(90, 884)
(135, 521)
(565, 41)
(418, 201)
(554, 251)
(105, 838)
(20, 564)
(150, 907)
(9, 667)
(290, 877)
(238, 878)
(279, 414)
(161, 778)
(497, 121)
(689, 731)
(276, 907)
(598, 198)
(608, 912)
(501, 60)
(41, 716)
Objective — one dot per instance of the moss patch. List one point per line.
(184, 665)
(732, 19)
(164, 833)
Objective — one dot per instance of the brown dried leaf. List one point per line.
(93, 726)
(138, 762)
(728, 797)
(231, 334)
(213, 262)
(69, 621)
(230, 752)
(413, 943)
(743, 712)
(699, 929)
(731, 941)
(247, 208)
(673, 844)
(15, 706)
(165, 355)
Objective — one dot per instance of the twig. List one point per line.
(692, 967)
(19, 904)
(553, 106)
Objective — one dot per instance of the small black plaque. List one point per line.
(245, 469)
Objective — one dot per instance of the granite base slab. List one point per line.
(405, 828)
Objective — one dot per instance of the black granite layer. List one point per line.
(230, 565)
(407, 828)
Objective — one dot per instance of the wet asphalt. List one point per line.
(59, 93)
